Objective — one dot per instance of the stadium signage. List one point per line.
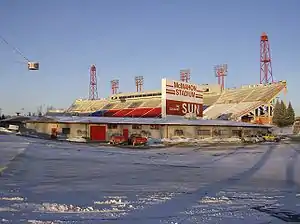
(185, 89)
(181, 98)
(179, 108)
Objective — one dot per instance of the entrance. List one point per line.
(125, 133)
(98, 133)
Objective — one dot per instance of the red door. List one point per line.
(98, 133)
(125, 133)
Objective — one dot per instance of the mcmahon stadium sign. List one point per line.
(181, 98)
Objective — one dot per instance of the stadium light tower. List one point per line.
(114, 86)
(185, 75)
(139, 81)
(220, 72)
(266, 75)
(93, 94)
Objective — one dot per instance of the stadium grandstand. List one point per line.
(138, 104)
(251, 103)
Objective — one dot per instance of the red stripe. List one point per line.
(171, 93)
(170, 86)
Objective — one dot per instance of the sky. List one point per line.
(128, 38)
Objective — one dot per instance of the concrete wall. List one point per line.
(209, 131)
(163, 131)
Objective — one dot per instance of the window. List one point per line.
(66, 131)
(81, 132)
(224, 132)
(112, 126)
(203, 132)
(247, 132)
(216, 132)
(136, 126)
(178, 132)
(154, 126)
(237, 133)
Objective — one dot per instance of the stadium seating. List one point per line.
(133, 107)
(209, 99)
(86, 105)
(237, 102)
(152, 103)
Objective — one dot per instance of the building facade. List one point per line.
(97, 129)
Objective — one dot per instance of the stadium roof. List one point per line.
(128, 120)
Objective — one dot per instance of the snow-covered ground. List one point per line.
(60, 182)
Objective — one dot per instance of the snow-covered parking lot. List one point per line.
(62, 182)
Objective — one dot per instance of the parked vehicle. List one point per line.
(260, 138)
(271, 138)
(117, 139)
(137, 139)
(253, 139)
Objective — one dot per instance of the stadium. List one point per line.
(214, 109)
(178, 109)
(251, 103)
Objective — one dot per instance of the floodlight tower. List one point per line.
(139, 81)
(266, 75)
(93, 94)
(185, 75)
(114, 86)
(220, 72)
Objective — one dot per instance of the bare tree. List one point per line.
(40, 110)
(50, 108)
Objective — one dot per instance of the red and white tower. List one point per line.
(114, 86)
(266, 75)
(185, 75)
(220, 73)
(93, 94)
(139, 82)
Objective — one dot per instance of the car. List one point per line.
(259, 138)
(271, 138)
(117, 139)
(137, 139)
(249, 139)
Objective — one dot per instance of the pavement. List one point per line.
(44, 181)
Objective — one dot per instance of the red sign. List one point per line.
(180, 108)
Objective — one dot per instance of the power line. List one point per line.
(14, 48)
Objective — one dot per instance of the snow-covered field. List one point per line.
(59, 182)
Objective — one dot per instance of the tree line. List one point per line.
(283, 115)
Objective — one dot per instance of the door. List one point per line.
(98, 133)
(125, 133)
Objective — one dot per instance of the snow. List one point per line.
(76, 139)
(58, 182)
(4, 130)
(179, 139)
